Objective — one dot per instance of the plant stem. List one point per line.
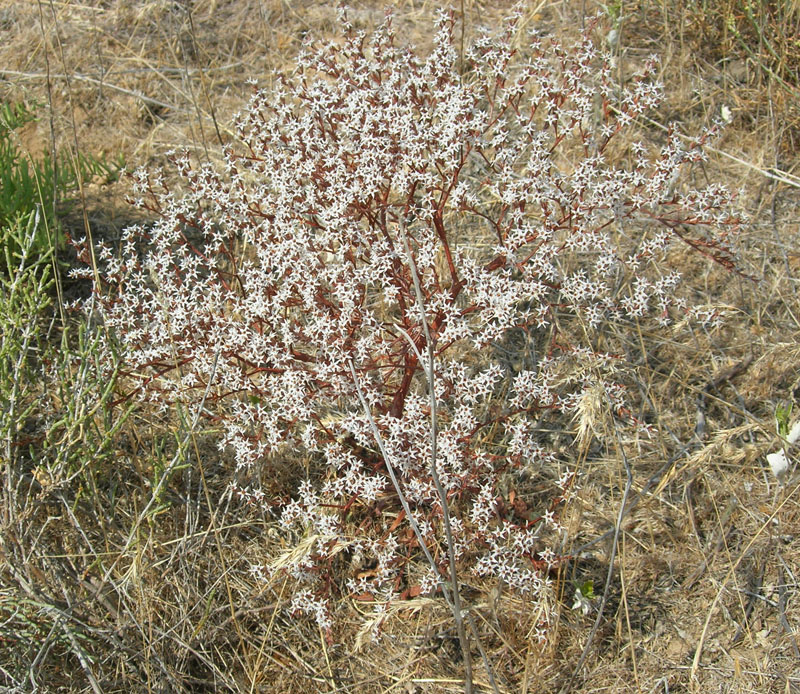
(429, 372)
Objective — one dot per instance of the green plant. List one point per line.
(23, 297)
(26, 182)
(782, 418)
(56, 435)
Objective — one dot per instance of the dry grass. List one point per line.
(103, 590)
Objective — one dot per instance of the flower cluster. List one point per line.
(486, 181)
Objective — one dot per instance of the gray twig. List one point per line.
(429, 372)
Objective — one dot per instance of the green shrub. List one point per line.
(57, 439)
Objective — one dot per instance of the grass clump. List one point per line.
(764, 32)
(48, 183)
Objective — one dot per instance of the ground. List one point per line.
(102, 590)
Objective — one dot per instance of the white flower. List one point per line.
(779, 464)
(581, 602)
(794, 433)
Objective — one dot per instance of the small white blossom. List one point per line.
(369, 175)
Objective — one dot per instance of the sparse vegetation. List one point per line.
(126, 562)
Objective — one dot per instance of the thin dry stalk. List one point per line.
(612, 556)
(730, 573)
(430, 374)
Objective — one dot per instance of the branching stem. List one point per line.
(429, 372)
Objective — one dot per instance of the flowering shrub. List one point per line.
(385, 226)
